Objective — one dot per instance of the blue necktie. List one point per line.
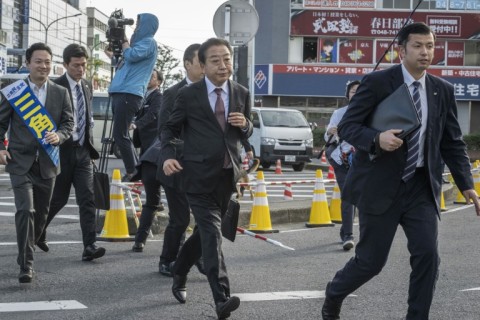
(80, 115)
(413, 141)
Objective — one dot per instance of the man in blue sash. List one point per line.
(38, 115)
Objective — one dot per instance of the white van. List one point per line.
(280, 133)
(102, 121)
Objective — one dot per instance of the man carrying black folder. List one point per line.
(402, 184)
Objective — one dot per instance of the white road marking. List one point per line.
(472, 289)
(41, 306)
(61, 216)
(283, 295)
(12, 204)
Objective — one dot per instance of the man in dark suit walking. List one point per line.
(408, 173)
(145, 125)
(32, 170)
(178, 208)
(214, 115)
(77, 154)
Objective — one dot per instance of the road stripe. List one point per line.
(12, 204)
(282, 295)
(472, 289)
(41, 306)
(61, 216)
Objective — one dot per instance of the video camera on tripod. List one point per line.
(116, 31)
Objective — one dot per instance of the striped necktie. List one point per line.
(80, 115)
(413, 141)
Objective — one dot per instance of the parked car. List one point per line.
(281, 134)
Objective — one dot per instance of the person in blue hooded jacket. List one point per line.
(130, 83)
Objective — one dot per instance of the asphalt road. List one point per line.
(272, 282)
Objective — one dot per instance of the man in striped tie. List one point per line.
(76, 154)
(402, 184)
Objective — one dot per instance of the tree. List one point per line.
(169, 66)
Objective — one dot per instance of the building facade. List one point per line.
(306, 51)
(57, 23)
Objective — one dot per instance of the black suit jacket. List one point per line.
(168, 102)
(66, 147)
(146, 119)
(372, 185)
(205, 143)
(23, 146)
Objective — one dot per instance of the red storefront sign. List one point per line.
(380, 24)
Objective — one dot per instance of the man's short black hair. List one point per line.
(415, 28)
(36, 47)
(190, 52)
(349, 86)
(210, 43)
(74, 51)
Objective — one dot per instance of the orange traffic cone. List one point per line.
(336, 205)
(115, 227)
(323, 159)
(287, 193)
(319, 213)
(278, 168)
(260, 218)
(331, 173)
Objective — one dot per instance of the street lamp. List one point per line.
(46, 27)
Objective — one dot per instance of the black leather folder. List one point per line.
(397, 111)
(230, 220)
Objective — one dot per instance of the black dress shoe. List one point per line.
(138, 247)
(331, 308)
(165, 270)
(225, 308)
(25, 275)
(179, 288)
(43, 245)
(92, 252)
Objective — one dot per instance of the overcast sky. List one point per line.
(182, 22)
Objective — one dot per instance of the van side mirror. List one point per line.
(256, 123)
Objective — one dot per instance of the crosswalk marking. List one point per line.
(41, 306)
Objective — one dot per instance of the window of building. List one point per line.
(472, 53)
(310, 46)
(396, 4)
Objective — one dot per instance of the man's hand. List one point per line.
(332, 131)
(171, 166)
(4, 156)
(389, 141)
(51, 137)
(237, 119)
(470, 194)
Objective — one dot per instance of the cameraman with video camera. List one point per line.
(136, 61)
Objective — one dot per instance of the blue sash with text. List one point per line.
(33, 113)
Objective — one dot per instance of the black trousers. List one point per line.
(32, 198)
(124, 107)
(77, 170)
(414, 209)
(152, 200)
(178, 221)
(206, 239)
(346, 229)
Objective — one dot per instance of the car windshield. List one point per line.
(289, 119)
